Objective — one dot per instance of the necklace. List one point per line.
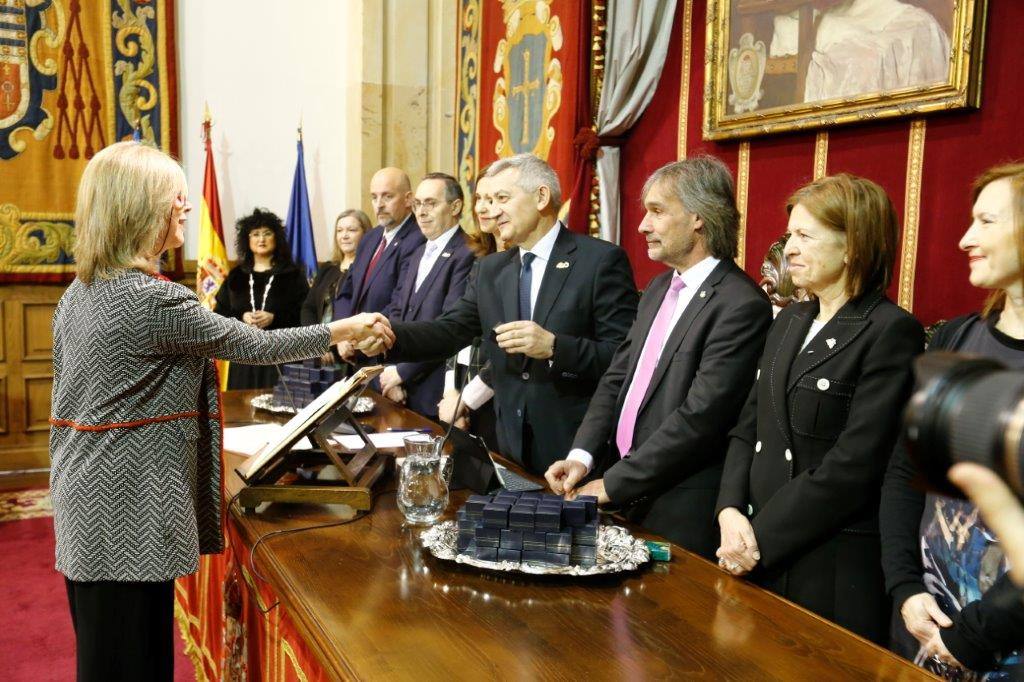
(252, 295)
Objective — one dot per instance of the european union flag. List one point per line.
(299, 224)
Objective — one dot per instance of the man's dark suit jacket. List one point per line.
(443, 286)
(587, 300)
(668, 482)
(809, 451)
(375, 297)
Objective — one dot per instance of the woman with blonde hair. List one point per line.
(349, 228)
(944, 569)
(798, 504)
(135, 432)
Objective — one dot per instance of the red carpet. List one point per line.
(36, 640)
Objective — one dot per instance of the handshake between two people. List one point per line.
(369, 333)
(375, 336)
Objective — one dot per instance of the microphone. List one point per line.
(474, 354)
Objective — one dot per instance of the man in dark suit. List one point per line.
(435, 279)
(550, 312)
(657, 425)
(383, 255)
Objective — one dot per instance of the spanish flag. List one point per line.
(212, 258)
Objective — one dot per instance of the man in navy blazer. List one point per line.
(656, 431)
(383, 255)
(435, 279)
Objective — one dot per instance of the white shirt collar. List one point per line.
(390, 234)
(444, 238)
(695, 275)
(542, 249)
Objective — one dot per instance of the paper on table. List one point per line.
(385, 439)
(248, 440)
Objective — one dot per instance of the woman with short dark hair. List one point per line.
(266, 289)
(798, 506)
(944, 569)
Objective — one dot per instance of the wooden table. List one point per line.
(372, 604)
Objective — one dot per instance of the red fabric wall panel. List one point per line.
(958, 146)
(493, 30)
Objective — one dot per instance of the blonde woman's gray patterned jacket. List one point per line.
(135, 436)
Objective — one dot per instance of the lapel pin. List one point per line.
(446, 255)
(831, 343)
(703, 294)
(562, 265)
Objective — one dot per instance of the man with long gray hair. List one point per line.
(550, 312)
(658, 423)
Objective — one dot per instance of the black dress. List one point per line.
(320, 300)
(284, 301)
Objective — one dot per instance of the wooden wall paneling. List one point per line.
(37, 334)
(3, 405)
(36, 392)
(26, 375)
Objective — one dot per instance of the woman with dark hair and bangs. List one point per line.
(266, 289)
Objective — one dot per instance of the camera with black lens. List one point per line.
(966, 409)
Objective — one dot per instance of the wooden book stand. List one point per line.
(272, 478)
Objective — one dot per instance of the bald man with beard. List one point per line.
(383, 255)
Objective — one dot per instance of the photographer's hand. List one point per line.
(1000, 508)
(923, 617)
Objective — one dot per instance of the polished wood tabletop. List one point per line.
(373, 604)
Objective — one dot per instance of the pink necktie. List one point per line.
(645, 371)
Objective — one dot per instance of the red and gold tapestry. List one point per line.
(74, 77)
(518, 71)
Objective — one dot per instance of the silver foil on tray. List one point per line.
(265, 401)
(617, 551)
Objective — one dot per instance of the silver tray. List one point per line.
(265, 401)
(617, 551)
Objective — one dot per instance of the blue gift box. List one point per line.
(496, 515)
(464, 539)
(475, 505)
(464, 521)
(574, 513)
(511, 539)
(581, 552)
(509, 555)
(486, 536)
(521, 517)
(487, 553)
(586, 534)
(535, 540)
(532, 495)
(560, 542)
(591, 502)
(535, 556)
(547, 519)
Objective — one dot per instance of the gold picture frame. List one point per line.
(774, 66)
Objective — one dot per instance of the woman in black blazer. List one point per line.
(798, 506)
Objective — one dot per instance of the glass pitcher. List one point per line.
(422, 488)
